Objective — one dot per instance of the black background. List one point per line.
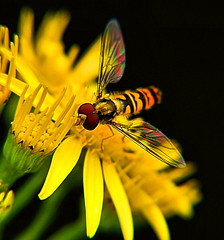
(178, 47)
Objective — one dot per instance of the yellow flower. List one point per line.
(33, 135)
(44, 53)
(136, 181)
(152, 188)
(41, 59)
(6, 203)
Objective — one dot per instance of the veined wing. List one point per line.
(112, 56)
(153, 141)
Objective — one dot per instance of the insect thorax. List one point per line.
(106, 109)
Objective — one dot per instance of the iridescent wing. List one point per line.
(152, 141)
(112, 57)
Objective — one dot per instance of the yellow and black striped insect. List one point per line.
(104, 110)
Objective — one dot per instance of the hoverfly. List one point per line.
(104, 109)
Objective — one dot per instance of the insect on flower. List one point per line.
(104, 110)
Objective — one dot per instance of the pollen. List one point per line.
(33, 140)
(37, 130)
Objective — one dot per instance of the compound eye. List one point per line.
(86, 109)
(91, 122)
(92, 119)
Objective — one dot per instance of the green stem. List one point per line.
(8, 176)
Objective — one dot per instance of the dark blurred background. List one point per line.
(178, 47)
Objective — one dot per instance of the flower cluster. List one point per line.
(136, 182)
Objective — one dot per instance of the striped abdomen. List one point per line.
(138, 100)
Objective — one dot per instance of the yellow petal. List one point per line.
(16, 85)
(93, 191)
(26, 30)
(86, 69)
(63, 161)
(119, 198)
(153, 214)
(22, 67)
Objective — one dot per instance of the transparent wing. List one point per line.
(112, 56)
(153, 141)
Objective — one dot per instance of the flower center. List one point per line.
(36, 131)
